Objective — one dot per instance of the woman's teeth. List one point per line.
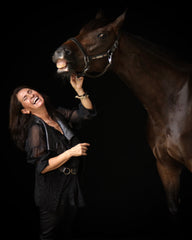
(35, 100)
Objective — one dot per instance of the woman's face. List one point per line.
(30, 99)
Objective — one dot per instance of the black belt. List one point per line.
(68, 171)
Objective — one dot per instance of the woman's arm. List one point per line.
(76, 151)
(77, 84)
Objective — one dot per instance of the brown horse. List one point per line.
(163, 86)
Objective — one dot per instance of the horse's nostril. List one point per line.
(67, 51)
(62, 52)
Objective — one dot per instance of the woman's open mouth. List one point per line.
(62, 65)
(36, 99)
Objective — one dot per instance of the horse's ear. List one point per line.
(119, 22)
(100, 14)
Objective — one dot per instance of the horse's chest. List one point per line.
(173, 146)
(178, 144)
(174, 141)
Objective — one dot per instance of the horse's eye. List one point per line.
(101, 35)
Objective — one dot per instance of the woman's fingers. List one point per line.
(80, 149)
(85, 144)
(84, 147)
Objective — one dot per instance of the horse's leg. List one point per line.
(169, 172)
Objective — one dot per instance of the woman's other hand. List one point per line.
(79, 150)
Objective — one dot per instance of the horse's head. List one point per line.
(92, 49)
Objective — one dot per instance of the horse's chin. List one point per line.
(66, 72)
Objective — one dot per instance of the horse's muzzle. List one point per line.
(61, 53)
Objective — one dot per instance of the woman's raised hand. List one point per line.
(76, 83)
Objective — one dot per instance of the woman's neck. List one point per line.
(43, 114)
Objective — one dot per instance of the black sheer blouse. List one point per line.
(54, 188)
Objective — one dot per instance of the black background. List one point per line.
(124, 195)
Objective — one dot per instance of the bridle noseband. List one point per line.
(88, 59)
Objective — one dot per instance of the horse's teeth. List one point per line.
(61, 63)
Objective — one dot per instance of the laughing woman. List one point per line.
(46, 136)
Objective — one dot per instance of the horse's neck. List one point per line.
(145, 73)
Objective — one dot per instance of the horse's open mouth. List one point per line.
(62, 65)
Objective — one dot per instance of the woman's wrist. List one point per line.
(68, 153)
(83, 96)
(80, 91)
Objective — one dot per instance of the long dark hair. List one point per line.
(19, 122)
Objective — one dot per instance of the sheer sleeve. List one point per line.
(36, 148)
(76, 116)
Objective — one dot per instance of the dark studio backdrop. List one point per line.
(123, 191)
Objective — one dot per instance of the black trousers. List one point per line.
(57, 225)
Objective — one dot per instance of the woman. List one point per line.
(52, 147)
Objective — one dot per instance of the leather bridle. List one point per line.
(88, 59)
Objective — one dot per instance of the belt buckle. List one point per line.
(73, 171)
(66, 171)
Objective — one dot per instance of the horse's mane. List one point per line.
(160, 52)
